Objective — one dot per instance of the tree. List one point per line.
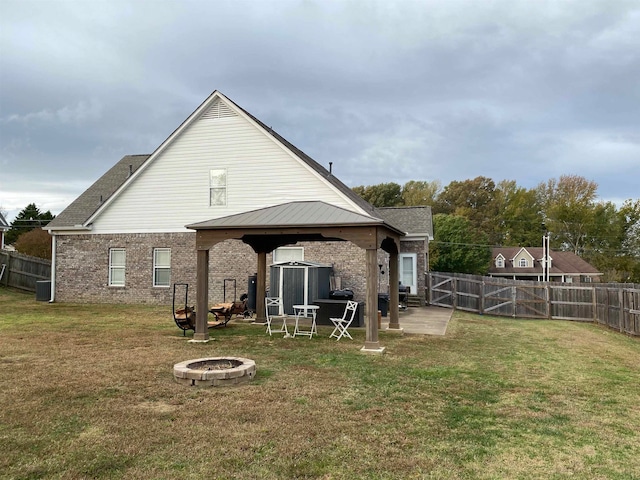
(475, 200)
(630, 218)
(520, 215)
(623, 264)
(458, 246)
(36, 243)
(381, 195)
(569, 208)
(29, 218)
(418, 193)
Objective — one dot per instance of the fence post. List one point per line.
(549, 304)
(514, 300)
(621, 302)
(454, 292)
(594, 304)
(481, 305)
(7, 272)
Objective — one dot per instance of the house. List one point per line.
(527, 263)
(4, 226)
(130, 235)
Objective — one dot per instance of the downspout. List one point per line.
(53, 267)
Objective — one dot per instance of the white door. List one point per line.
(408, 270)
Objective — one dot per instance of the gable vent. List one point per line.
(218, 110)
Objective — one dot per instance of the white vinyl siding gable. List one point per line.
(174, 190)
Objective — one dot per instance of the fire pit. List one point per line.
(215, 371)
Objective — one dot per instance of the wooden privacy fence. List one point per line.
(614, 305)
(23, 271)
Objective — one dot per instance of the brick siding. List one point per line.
(82, 267)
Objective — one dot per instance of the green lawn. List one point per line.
(87, 391)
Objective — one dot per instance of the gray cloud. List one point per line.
(388, 91)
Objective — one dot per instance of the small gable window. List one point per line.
(218, 187)
(523, 262)
(500, 262)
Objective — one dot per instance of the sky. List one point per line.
(389, 91)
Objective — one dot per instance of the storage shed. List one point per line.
(299, 282)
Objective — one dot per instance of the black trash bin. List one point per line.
(383, 303)
(252, 288)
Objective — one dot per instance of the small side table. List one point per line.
(305, 311)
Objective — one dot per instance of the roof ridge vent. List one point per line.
(218, 109)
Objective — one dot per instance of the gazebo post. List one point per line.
(371, 344)
(202, 308)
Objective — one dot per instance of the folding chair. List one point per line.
(343, 323)
(274, 310)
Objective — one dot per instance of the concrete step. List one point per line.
(414, 301)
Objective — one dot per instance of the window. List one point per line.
(217, 187)
(523, 262)
(288, 254)
(117, 261)
(500, 262)
(161, 267)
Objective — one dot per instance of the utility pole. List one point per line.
(546, 250)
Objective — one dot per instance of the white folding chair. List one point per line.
(274, 310)
(343, 323)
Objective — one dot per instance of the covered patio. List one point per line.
(286, 224)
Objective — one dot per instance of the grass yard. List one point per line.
(87, 391)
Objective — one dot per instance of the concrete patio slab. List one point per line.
(422, 320)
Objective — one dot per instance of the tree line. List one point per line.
(26, 234)
(471, 216)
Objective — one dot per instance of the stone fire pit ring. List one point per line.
(215, 371)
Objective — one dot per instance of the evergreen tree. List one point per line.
(29, 218)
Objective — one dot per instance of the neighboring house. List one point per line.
(527, 263)
(124, 240)
(4, 226)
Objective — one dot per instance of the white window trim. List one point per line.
(113, 267)
(282, 249)
(523, 263)
(219, 187)
(157, 267)
(500, 261)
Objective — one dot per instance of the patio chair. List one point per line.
(343, 323)
(274, 310)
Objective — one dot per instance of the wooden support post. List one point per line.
(371, 345)
(202, 305)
